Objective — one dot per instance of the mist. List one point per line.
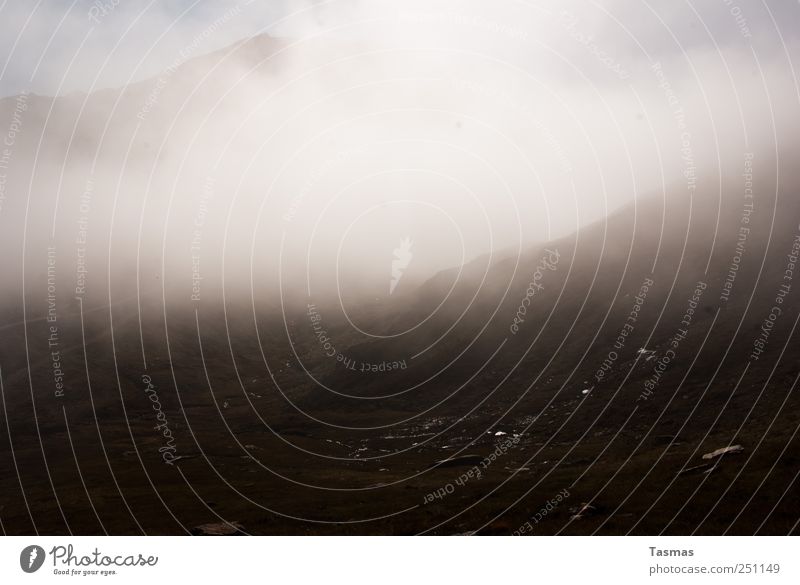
(352, 150)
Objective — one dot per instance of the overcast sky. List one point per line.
(57, 46)
(49, 46)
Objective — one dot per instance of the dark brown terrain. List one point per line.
(260, 443)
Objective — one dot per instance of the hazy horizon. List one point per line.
(349, 127)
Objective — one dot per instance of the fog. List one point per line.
(353, 149)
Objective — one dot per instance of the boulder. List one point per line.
(732, 450)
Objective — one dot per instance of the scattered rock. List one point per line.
(714, 458)
(582, 511)
(647, 354)
(732, 450)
